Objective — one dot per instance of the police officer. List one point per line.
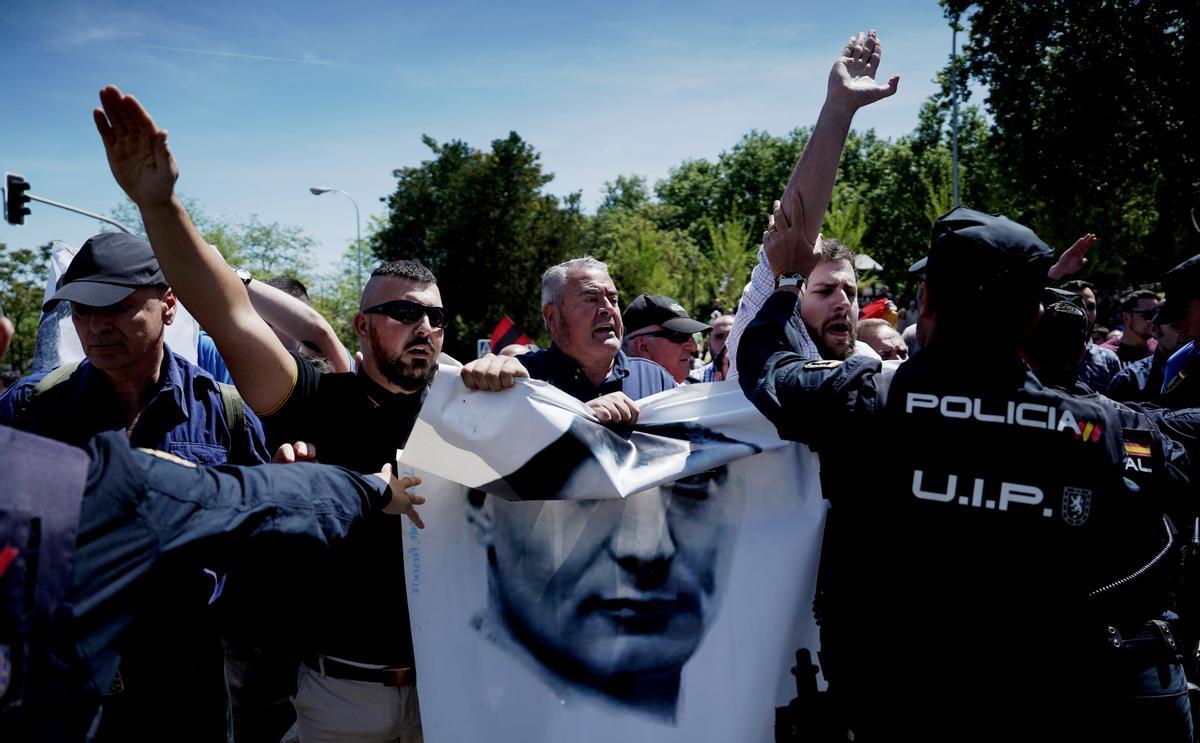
(1181, 384)
(962, 581)
(84, 531)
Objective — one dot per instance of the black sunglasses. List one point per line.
(674, 336)
(408, 312)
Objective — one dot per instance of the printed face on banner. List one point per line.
(610, 596)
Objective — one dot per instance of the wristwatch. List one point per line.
(244, 275)
(789, 279)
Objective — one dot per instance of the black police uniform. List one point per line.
(958, 580)
(139, 518)
(1181, 284)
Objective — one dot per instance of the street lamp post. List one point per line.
(954, 104)
(317, 191)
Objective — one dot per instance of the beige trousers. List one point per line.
(330, 710)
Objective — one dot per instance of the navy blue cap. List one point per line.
(1181, 284)
(973, 252)
(109, 267)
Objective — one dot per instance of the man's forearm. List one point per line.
(293, 317)
(814, 175)
(200, 278)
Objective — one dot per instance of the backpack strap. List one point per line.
(60, 374)
(235, 407)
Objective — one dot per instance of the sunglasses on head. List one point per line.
(674, 336)
(402, 310)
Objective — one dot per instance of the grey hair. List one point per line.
(554, 280)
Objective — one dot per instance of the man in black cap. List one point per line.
(659, 328)
(131, 382)
(956, 592)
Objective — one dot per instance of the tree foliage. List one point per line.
(483, 224)
(23, 275)
(263, 249)
(1092, 125)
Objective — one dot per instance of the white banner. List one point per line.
(662, 598)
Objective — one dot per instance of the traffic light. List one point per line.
(15, 200)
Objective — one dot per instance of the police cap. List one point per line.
(972, 252)
(1181, 284)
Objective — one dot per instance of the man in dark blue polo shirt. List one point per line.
(131, 382)
(581, 310)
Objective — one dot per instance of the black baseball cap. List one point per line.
(1180, 284)
(109, 267)
(655, 309)
(973, 252)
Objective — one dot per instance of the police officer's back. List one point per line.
(958, 584)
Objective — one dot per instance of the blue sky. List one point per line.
(263, 100)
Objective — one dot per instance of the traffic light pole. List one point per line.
(84, 212)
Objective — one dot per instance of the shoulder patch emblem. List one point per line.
(168, 457)
(823, 364)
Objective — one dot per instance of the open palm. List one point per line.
(852, 79)
(136, 148)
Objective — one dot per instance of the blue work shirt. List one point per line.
(185, 416)
(636, 377)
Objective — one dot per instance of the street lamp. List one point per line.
(317, 191)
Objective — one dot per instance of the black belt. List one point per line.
(327, 666)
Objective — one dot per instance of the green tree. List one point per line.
(1091, 122)
(483, 224)
(264, 249)
(726, 268)
(23, 275)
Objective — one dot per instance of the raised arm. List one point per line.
(142, 165)
(851, 86)
(293, 317)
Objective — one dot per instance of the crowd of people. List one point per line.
(1008, 567)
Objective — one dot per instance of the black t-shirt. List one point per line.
(358, 606)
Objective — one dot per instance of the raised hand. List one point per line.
(1073, 258)
(136, 148)
(852, 79)
(788, 249)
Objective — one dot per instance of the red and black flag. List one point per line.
(507, 333)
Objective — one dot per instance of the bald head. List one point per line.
(883, 338)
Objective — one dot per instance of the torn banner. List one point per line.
(574, 583)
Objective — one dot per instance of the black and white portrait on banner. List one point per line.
(581, 583)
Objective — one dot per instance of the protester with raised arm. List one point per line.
(362, 675)
(986, 584)
(828, 331)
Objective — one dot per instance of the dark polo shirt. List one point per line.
(356, 608)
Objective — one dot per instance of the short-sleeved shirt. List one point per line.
(358, 607)
(636, 377)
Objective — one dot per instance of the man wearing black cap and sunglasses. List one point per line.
(357, 676)
(659, 328)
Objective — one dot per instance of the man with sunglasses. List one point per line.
(659, 328)
(357, 679)
(1137, 342)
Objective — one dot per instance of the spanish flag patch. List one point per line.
(1136, 450)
